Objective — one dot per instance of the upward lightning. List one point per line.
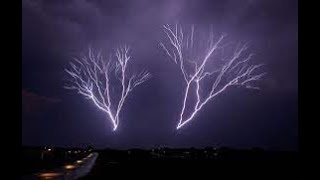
(192, 58)
(91, 74)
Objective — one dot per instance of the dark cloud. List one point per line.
(55, 30)
(32, 103)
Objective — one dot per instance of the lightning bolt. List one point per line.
(235, 69)
(90, 76)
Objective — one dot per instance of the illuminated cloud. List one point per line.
(188, 52)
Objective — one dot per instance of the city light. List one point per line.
(49, 175)
(69, 166)
(79, 161)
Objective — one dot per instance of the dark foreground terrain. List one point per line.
(41, 159)
(207, 163)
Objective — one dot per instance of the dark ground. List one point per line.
(212, 163)
(38, 159)
(185, 163)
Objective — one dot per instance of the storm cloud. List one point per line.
(53, 31)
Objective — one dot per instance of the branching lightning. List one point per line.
(234, 71)
(91, 75)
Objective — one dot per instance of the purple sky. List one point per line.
(55, 30)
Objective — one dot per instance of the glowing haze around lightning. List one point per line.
(183, 49)
(90, 76)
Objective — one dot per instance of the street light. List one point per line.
(79, 161)
(49, 175)
(69, 167)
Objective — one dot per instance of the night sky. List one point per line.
(55, 30)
